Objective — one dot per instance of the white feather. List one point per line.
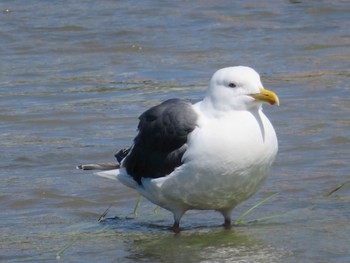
(110, 174)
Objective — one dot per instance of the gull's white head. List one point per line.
(238, 88)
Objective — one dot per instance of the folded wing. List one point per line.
(161, 140)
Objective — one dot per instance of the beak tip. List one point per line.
(266, 96)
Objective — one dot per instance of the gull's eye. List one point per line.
(232, 85)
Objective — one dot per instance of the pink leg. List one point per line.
(227, 216)
(177, 217)
(176, 228)
(227, 223)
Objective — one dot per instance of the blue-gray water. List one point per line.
(74, 77)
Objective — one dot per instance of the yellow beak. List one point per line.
(266, 96)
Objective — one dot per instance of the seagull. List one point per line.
(209, 155)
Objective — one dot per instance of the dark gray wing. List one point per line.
(161, 141)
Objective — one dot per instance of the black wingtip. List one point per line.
(120, 155)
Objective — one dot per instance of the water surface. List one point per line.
(75, 75)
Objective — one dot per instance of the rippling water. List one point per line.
(76, 74)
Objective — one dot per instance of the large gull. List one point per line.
(211, 155)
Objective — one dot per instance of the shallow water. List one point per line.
(76, 74)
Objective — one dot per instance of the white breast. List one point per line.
(228, 158)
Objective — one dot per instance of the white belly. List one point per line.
(225, 164)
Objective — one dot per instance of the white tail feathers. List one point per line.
(120, 176)
(111, 174)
